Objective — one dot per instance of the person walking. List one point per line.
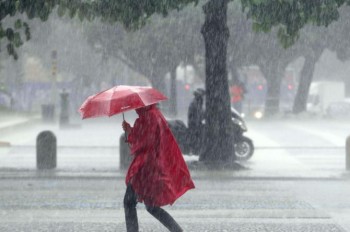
(195, 116)
(237, 91)
(158, 174)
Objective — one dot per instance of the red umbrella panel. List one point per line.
(119, 99)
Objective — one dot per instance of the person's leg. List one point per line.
(130, 201)
(165, 218)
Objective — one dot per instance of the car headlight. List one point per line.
(258, 114)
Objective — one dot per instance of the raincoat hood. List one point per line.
(141, 111)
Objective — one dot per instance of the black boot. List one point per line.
(130, 202)
(165, 218)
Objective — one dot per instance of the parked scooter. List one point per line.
(244, 147)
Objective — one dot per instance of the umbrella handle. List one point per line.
(125, 135)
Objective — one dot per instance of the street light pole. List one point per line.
(54, 77)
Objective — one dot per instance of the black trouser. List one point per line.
(130, 201)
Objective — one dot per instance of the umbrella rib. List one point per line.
(110, 102)
(110, 105)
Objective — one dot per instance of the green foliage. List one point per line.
(18, 24)
(26, 31)
(285, 39)
(11, 50)
(291, 15)
(17, 41)
(10, 34)
(2, 32)
(33, 9)
(133, 14)
(261, 27)
(13, 36)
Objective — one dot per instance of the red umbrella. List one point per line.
(119, 99)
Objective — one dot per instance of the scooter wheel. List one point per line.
(244, 149)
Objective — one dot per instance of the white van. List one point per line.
(322, 94)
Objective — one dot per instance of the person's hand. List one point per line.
(126, 127)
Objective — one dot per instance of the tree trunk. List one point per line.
(218, 146)
(306, 75)
(157, 80)
(273, 72)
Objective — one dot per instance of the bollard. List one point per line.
(64, 115)
(347, 149)
(124, 153)
(46, 150)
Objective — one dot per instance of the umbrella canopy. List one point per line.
(119, 99)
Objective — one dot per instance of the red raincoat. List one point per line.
(158, 172)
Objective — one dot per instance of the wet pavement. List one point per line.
(275, 191)
(194, 226)
(84, 204)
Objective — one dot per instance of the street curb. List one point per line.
(121, 177)
(118, 174)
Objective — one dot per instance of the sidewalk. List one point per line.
(11, 121)
(92, 149)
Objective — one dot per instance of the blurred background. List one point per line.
(84, 57)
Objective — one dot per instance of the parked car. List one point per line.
(339, 109)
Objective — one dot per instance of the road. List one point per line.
(315, 145)
(217, 204)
